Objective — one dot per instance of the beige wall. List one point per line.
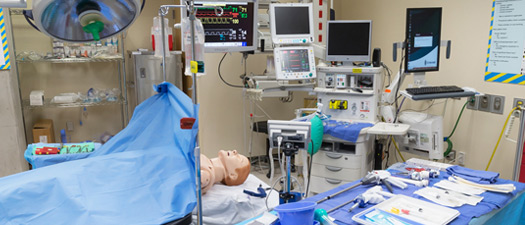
(467, 24)
(221, 114)
(11, 128)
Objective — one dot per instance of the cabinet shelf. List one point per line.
(72, 60)
(49, 104)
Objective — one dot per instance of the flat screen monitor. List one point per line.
(291, 23)
(423, 39)
(294, 63)
(234, 31)
(349, 40)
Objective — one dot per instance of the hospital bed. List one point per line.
(229, 205)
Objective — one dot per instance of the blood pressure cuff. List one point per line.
(143, 175)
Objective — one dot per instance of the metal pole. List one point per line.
(194, 75)
(194, 98)
(519, 147)
(191, 8)
(288, 174)
(161, 14)
(124, 74)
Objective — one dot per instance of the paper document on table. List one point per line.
(447, 197)
(448, 185)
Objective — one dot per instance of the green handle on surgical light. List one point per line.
(94, 28)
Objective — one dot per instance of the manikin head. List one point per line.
(236, 166)
(230, 168)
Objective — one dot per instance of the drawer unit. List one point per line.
(322, 184)
(335, 172)
(339, 163)
(338, 159)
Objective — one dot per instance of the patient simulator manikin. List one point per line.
(230, 168)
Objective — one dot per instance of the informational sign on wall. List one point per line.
(4, 58)
(506, 52)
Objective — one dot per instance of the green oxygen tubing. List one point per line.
(447, 139)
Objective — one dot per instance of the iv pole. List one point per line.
(519, 147)
(163, 11)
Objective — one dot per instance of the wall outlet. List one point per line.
(451, 155)
(473, 103)
(461, 158)
(70, 126)
(497, 104)
(518, 101)
(485, 103)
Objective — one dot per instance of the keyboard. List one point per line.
(433, 90)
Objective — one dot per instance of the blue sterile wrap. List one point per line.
(491, 201)
(478, 176)
(344, 130)
(143, 175)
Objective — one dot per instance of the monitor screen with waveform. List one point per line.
(235, 30)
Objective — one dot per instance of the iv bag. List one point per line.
(199, 43)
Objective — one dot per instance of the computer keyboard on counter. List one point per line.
(433, 90)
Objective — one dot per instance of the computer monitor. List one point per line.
(423, 39)
(294, 63)
(234, 31)
(292, 23)
(349, 40)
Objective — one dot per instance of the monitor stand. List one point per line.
(419, 79)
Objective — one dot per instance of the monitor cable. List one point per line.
(401, 74)
(310, 168)
(220, 75)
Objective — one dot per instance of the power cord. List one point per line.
(220, 75)
(501, 134)
(447, 139)
(310, 168)
(399, 82)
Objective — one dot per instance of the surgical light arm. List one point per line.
(13, 4)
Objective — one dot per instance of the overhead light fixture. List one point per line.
(83, 20)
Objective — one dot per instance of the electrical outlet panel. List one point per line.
(485, 103)
(518, 101)
(473, 104)
(497, 104)
(451, 155)
(461, 158)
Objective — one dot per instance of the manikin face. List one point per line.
(237, 167)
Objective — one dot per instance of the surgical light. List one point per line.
(84, 20)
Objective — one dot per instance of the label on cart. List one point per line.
(42, 139)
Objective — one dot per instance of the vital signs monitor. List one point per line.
(234, 31)
(294, 63)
